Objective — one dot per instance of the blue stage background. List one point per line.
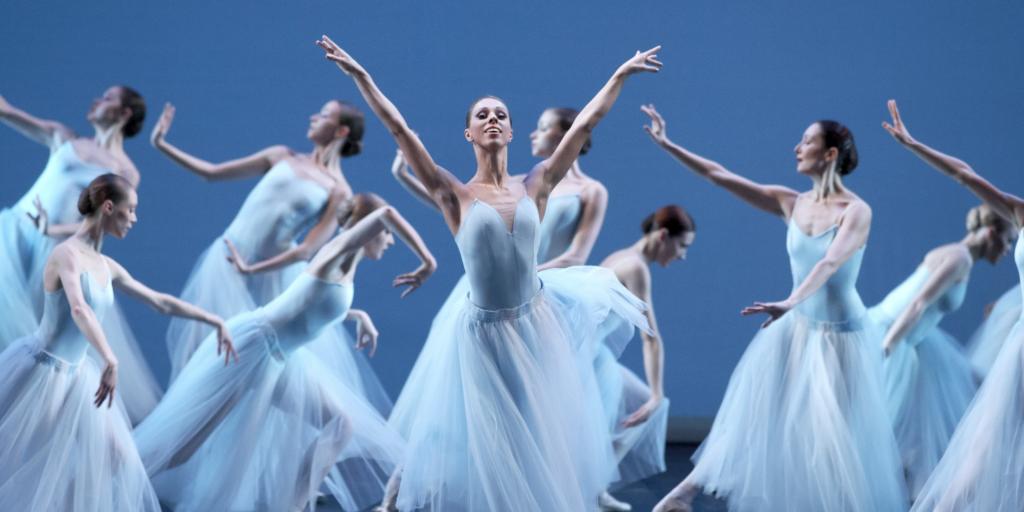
(742, 80)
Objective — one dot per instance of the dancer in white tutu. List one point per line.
(801, 425)
(503, 416)
(928, 380)
(280, 421)
(63, 446)
(46, 214)
(988, 338)
(981, 470)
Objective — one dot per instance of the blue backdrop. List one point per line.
(742, 80)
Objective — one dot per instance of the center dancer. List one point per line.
(801, 425)
(503, 418)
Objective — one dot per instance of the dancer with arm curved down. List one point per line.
(928, 379)
(502, 418)
(295, 192)
(31, 228)
(980, 469)
(66, 439)
(799, 426)
(280, 420)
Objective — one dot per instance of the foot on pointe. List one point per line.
(672, 503)
(608, 503)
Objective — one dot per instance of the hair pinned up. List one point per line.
(105, 187)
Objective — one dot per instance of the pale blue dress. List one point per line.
(802, 425)
(988, 339)
(264, 433)
(58, 450)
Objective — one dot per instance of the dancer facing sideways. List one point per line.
(981, 468)
(47, 214)
(502, 418)
(987, 340)
(928, 379)
(281, 420)
(66, 439)
(799, 427)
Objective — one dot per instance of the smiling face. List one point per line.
(108, 109)
(489, 124)
(547, 136)
(325, 125)
(119, 217)
(812, 157)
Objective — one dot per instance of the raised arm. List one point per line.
(548, 173)
(443, 188)
(171, 305)
(1006, 205)
(252, 165)
(947, 272)
(595, 203)
(851, 236)
(355, 237)
(638, 281)
(403, 174)
(774, 199)
(48, 133)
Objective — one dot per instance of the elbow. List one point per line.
(79, 311)
(164, 304)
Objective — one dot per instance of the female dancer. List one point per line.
(281, 419)
(62, 449)
(981, 469)
(30, 229)
(798, 428)
(637, 413)
(499, 419)
(988, 339)
(928, 381)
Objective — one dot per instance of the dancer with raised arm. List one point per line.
(502, 418)
(981, 469)
(65, 439)
(988, 338)
(46, 214)
(281, 421)
(800, 426)
(928, 379)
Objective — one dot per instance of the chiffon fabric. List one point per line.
(994, 330)
(981, 469)
(928, 379)
(59, 451)
(499, 411)
(802, 424)
(264, 433)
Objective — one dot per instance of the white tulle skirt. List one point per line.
(502, 411)
(803, 426)
(928, 388)
(58, 452)
(988, 339)
(23, 252)
(983, 467)
(264, 433)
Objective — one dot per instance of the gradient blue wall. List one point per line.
(742, 81)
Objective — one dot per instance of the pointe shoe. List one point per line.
(607, 503)
(672, 503)
(385, 507)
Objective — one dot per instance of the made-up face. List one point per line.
(489, 124)
(812, 157)
(547, 136)
(119, 217)
(108, 109)
(672, 248)
(376, 246)
(325, 125)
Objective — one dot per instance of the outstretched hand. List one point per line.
(413, 279)
(236, 258)
(335, 54)
(657, 127)
(642, 61)
(41, 220)
(774, 310)
(897, 129)
(163, 125)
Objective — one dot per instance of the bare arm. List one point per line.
(366, 332)
(403, 174)
(443, 188)
(852, 235)
(252, 165)
(48, 133)
(595, 204)
(1007, 205)
(638, 281)
(947, 272)
(774, 199)
(547, 174)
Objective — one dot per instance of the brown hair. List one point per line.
(983, 216)
(104, 187)
(358, 207)
(354, 119)
(132, 100)
(566, 116)
(838, 136)
(673, 218)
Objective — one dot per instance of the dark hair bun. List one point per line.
(104, 187)
(566, 116)
(132, 100)
(673, 218)
(351, 148)
(354, 119)
(838, 136)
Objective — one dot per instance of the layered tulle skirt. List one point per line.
(994, 330)
(502, 411)
(57, 450)
(982, 470)
(928, 387)
(264, 433)
(803, 426)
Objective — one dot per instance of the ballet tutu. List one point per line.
(803, 426)
(59, 451)
(985, 343)
(264, 433)
(23, 252)
(502, 411)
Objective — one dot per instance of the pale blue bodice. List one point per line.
(837, 300)
(561, 218)
(277, 210)
(1018, 259)
(897, 301)
(60, 184)
(305, 308)
(501, 265)
(60, 339)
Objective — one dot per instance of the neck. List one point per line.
(328, 156)
(825, 185)
(109, 137)
(491, 166)
(644, 249)
(575, 171)
(90, 233)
